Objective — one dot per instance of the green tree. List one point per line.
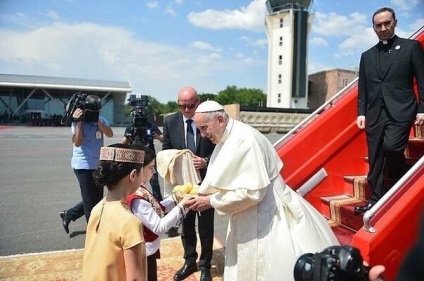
(207, 96)
(242, 96)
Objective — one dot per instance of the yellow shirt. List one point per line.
(111, 229)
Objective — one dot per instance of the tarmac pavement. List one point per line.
(37, 182)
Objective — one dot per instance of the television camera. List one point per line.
(90, 104)
(139, 132)
(335, 263)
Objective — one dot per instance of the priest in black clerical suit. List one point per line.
(387, 103)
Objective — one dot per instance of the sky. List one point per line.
(163, 45)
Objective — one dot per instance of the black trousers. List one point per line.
(206, 235)
(91, 195)
(387, 140)
(152, 268)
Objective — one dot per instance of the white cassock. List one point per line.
(270, 225)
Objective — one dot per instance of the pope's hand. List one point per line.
(199, 203)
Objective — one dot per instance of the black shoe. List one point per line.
(205, 275)
(185, 271)
(173, 232)
(362, 209)
(65, 220)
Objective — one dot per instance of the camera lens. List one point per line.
(304, 268)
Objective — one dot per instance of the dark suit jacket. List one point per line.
(174, 138)
(394, 86)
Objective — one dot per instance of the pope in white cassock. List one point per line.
(270, 225)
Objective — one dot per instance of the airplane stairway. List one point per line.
(325, 161)
(341, 207)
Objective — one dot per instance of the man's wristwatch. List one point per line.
(207, 160)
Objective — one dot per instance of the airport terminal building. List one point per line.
(41, 100)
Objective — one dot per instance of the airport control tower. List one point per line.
(287, 30)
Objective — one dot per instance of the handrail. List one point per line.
(318, 111)
(380, 203)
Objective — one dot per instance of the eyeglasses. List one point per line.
(189, 106)
(386, 24)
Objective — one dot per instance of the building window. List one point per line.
(279, 78)
(281, 23)
(281, 41)
(278, 100)
(345, 82)
(279, 95)
(280, 59)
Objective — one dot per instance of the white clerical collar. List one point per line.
(385, 42)
(227, 130)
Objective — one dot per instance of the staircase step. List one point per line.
(361, 189)
(419, 131)
(342, 213)
(327, 199)
(343, 234)
(415, 148)
(352, 178)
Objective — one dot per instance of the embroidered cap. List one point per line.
(209, 106)
(122, 155)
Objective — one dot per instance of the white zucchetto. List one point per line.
(209, 106)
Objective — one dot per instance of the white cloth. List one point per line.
(270, 225)
(176, 168)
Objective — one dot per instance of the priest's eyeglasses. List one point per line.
(386, 24)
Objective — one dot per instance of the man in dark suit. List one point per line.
(178, 133)
(387, 104)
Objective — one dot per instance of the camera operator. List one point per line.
(152, 132)
(87, 139)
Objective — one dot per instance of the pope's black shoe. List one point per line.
(185, 271)
(206, 275)
(65, 220)
(362, 209)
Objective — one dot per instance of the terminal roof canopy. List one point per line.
(75, 84)
(16, 90)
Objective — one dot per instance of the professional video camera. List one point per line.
(90, 104)
(336, 263)
(139, 132)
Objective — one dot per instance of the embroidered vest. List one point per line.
(146, 195)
